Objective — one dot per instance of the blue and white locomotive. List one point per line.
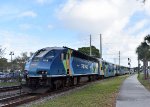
(55, 67)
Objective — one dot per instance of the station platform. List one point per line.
(133, 94)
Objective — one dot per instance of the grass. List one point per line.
(100, 94)
(10, 82)
(144, 82)
(5, 84)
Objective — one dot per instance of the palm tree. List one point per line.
(143, 55)
(147, 39)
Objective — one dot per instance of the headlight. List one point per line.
(42, 72)
(46, 72)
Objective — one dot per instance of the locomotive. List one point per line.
(56, 67)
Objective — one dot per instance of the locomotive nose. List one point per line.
(42, 72)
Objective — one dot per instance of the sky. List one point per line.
(29, 25)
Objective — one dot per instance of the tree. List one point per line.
(147, 39)
(20, 61)
(31, 53)
(144, 54)
(1, 52)
(3, 64)
(3, 61)
(86, 50)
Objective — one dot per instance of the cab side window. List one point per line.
(49, 56)
(63, 56)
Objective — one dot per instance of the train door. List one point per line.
(101, 68)
(66, 58)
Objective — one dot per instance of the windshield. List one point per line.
(41, 53)
(49, 56)
(36, 59)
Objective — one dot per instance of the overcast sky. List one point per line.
(28, 25)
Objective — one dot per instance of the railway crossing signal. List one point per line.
(129, 61)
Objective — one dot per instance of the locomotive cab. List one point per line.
(38, 68)
(40, 63)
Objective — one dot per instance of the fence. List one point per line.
(11, 80)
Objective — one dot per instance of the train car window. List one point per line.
(62, 56)
(80, 55)
(49, 56)
(36, 59)
(41, 53)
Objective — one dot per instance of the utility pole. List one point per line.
(90, 46)
(138, 66)
(11, 54)
(101, 46)
(119, 58)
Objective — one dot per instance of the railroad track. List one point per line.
(23, 98)
(14, 101)
(4, 89)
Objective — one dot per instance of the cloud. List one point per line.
(10, 12)
(50, 26)
(42, 2)
(25, 26)
(18, 42)
(28, 14)
(101, 15)
(7, 10)
(109, 17)
(138, 26)
(147, 7)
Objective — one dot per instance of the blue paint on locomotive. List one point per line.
(109, 69)
(71, 65)
(122, 70)
(49, 60)
(81, 66)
